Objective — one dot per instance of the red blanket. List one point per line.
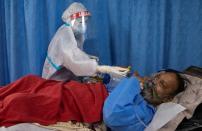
(33, 99)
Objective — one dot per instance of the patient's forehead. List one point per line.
(169, 79)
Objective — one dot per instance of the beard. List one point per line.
(149, 93)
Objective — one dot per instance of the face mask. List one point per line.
(149, 89)
(149, 83)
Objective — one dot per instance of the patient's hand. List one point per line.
(140, 78)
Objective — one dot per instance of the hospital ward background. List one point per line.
(100, 65)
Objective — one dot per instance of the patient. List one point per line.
(132, 108)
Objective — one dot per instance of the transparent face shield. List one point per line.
(79, 22)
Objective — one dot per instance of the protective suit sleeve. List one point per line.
(79, 63)
(72, 57)
(125, 109)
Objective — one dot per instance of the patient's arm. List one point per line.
(125, 108)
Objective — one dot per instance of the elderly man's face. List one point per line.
(160, 86)
(165, 83)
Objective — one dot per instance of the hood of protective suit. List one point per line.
(72, 9)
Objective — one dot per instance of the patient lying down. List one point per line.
(130, 106)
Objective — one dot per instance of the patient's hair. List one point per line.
(153, 98)
(181, 85)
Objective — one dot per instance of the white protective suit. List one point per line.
(65, 59)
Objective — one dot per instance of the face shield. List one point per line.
(79, 22)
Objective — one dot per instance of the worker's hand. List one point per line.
(115, 71)
(93, 57)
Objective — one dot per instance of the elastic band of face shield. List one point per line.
(80, 14)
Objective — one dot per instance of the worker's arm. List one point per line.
(74, 58)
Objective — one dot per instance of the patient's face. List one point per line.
(161, 85)
(166, 83)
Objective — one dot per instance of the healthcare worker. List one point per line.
(65, 58)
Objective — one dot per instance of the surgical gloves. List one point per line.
(113, 70)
